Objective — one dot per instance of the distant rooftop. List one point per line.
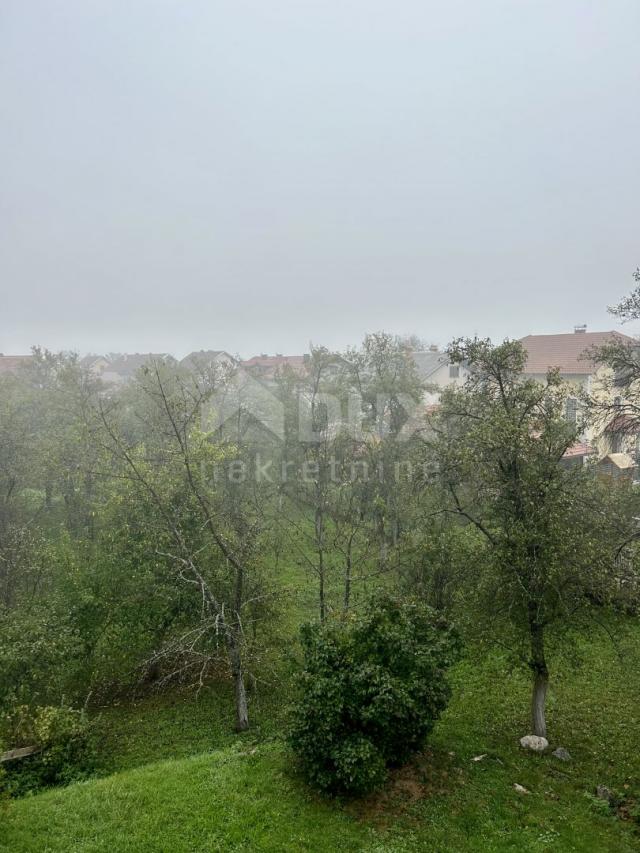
(428, 361)
(269, 365)
(565, 351)
(127, 364)
(206, 356)
(11, 363)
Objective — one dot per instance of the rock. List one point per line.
(603, 793)
(520, 788)
(534, 742)
(562, 754)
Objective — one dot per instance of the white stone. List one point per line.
(534, 742)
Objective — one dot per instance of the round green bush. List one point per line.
(372, 687)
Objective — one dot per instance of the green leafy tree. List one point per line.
(550, 532)
(201, 536)
(384, 375)
(617, 404)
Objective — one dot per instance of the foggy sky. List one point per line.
(252, 175)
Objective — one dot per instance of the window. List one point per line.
(454, 371)
(572, 410)
(616, 442)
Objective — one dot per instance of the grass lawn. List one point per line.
(182, 781)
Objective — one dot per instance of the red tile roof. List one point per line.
(580, 448)
(565, 351)
(11, 363)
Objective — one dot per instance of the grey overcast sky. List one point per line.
(251, 175)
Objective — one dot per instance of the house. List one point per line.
(569, 354)
(95, 364)
(578, 454)
(13, 363)
(267, 367)
(207, 359)
(122, 368)
(617, 466)
(437, 372)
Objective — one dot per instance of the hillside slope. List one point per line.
(227, 800)
(240, 793)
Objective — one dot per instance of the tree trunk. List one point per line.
(323, 608)
(319, 524)
(396, 530)
(540, 685)
(88, 501)
(538, 665)
(347, 580)
(242, 711)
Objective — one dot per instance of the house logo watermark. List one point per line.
(243, 395)
(318, 416)
(315, 419)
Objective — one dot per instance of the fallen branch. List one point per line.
(23, 752)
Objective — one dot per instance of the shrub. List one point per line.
(372, 687)
(40, 653)
(62, 736)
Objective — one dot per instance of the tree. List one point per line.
(384, 376)
(619, 396)
(206, 541)
(550, 532)
(333, 496)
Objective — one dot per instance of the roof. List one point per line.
(206, 353)
(269, 365)
(565, 351)
(208, 356)
(620, 460)
(580, 448)
(88, 360)
(428, 361)
(11, 363)
(128, 364)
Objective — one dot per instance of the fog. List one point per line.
(253, 176)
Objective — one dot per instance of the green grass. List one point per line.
(234, 799)
(179, 724)
(240, 792)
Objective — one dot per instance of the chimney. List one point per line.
(580, 330)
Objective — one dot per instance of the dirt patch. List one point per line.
(428, 774)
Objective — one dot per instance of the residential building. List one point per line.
(95, 364)
(13, 363)
(267, 367)
(210, 358)
(437, 372)
(569, 354)
(122, 368)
